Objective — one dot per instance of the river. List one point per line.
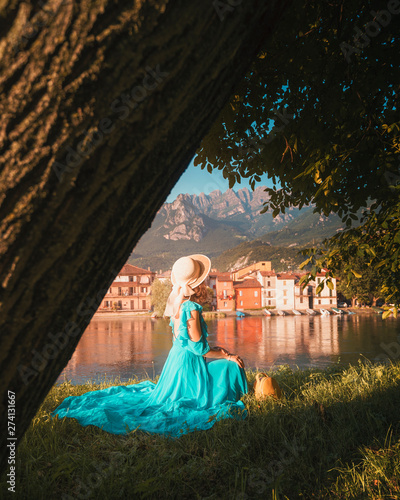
(139, 346)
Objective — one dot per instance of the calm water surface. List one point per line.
(139, 346)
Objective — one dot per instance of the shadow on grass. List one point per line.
(306, 446)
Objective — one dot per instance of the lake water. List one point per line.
(140, 345)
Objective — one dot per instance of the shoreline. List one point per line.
(222, 314)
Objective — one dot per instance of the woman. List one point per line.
(190, 394)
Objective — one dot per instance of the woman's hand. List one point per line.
(223, 351)
(236, 359)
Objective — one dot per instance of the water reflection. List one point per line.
(140, 345)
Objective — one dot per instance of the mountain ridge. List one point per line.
(217, 222)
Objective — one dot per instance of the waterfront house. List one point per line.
(225, 293)
(268, 285)
(130, 291)
(328, 297)
(248, 294)
(285, 291)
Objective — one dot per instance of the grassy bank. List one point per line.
(336, 434)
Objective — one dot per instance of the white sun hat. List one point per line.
(187, 273)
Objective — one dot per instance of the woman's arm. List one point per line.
(194, 330)
(220, 352)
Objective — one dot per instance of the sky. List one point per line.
(195, 181)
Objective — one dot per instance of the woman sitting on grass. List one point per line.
(190, 394)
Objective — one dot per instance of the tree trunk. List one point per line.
(103, 105)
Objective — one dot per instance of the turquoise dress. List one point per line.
(191, 394)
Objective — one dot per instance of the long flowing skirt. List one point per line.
(190, 395)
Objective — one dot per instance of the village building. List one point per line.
(130, 291)
(285, 291)
(211, 282)
(225, 293)
(327, 297)
(248, 294)
(303, 297)
(268, 285)
(164, 276)
(252, 268)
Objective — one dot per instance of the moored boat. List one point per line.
(336, 310)
(296, 312)
(325, 312)
(281, 313)
(240, 314)
(267, 312)
(311, 312)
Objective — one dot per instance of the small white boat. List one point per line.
(296, 312)
(325, 312)
(311, 312)
(336, 310)
(281, 313)
(267, 312)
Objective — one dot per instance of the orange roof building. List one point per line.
(130, 291)
(248, 294)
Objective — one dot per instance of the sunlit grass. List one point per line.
(335, 434)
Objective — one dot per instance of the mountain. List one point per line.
(217, 222)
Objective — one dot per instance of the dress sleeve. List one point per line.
(200, 347)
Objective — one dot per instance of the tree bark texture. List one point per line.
(103, 104)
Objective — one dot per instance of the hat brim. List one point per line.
(205, 266)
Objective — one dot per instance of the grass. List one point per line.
(336, 434)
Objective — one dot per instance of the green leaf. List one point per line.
(386, 314)
(304, 263)
(330, 284)
(319, 288)
(356, 274)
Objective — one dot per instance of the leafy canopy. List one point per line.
(319, 112)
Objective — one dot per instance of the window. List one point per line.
(224, 294)
(119, 290)
(225, 304)
(319, 302)
(269, 302)
(120, 303)
(285, 301)
(256, 293)
(284, 282)
(106, 303)
(143, 289)
(240, 293)
(130, 278)
(269, 293)
(256, 303)
(284, 293)
(330, 293)
(241, 302)
(301, 300)
(330, 302)
(268, 283)
(110, 290)
(318, 280)
(143, 304)
(130, 290)
(225, 283)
